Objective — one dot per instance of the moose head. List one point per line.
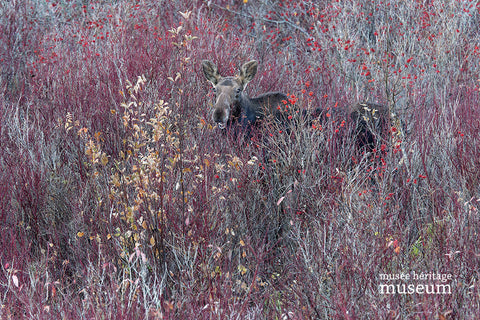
(230, 95)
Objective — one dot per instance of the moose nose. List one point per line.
(220, 117)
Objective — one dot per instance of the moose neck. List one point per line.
(241, 104)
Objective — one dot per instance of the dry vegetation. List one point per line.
(119, 200)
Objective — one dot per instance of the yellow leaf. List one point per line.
(109, 236)
(185, 14)
(169, 305)
(144, 225)
(189, 38)
(218, 270)
(152, 241)
(80, 234)
(104, 159)
(242, 243)
(116, 180)
(242, 269)
(245, 1)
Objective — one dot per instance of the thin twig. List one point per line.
(263, 19)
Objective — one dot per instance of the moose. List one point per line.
(233, 105)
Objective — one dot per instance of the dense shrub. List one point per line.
(120, 199)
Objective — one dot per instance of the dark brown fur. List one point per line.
(371, 123)
(232, 105)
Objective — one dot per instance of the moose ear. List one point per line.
(248, 71)
(210, 71)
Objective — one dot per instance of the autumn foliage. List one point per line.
(120, 199)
